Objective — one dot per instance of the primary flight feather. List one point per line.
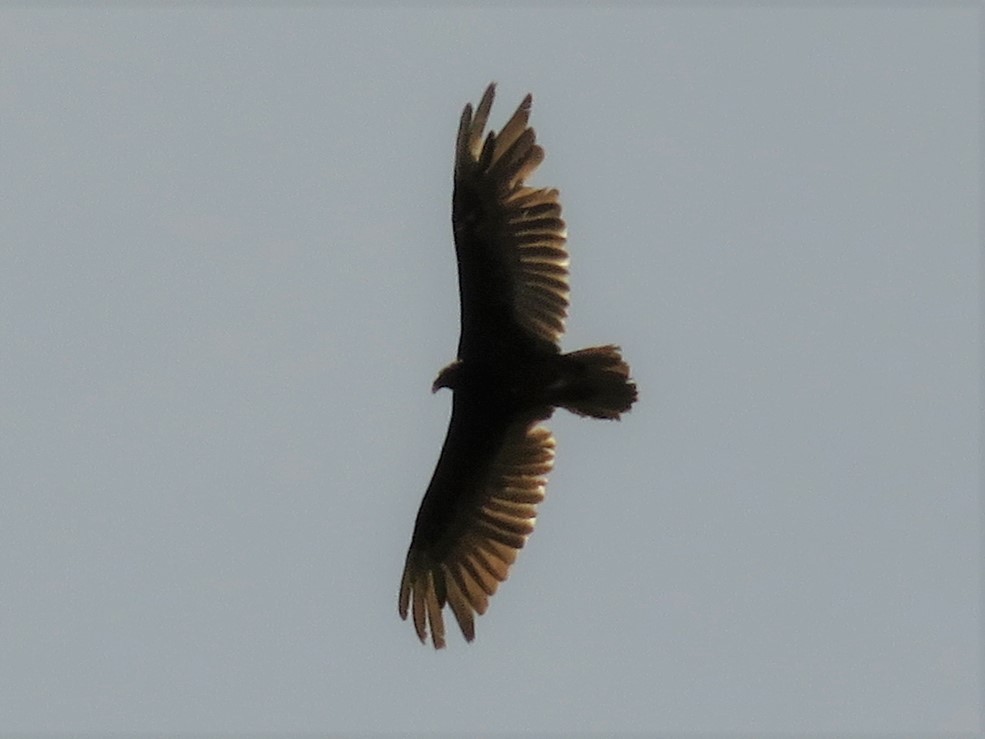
(510, 374)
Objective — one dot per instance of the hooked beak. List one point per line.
(447, 377)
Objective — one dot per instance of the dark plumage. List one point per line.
(513, 280)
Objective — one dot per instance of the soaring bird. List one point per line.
(510, 374)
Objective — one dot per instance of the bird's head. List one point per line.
(448, 377)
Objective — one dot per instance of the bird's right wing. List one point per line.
(477, 513)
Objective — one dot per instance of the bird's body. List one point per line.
(510, 374)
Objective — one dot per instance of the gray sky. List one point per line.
(227, 282)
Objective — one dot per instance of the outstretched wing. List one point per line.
(477, 513)
(509, 238)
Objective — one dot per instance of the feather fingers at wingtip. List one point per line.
(479, 120)
(419, 611)
(434, 616)
(461, 607)
(463, 153)
(519, 150)
(486, 155)
(502, 170)
(438, 584)
(477, 593)
(517, 124)
(514, 127)
(403, 599)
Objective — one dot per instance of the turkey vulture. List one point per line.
(510, 373)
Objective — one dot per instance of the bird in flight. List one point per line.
(510, 374)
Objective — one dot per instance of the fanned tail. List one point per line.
(597, 383)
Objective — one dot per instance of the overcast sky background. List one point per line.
(227, 282)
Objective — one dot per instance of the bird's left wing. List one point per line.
(477, 513)
(509, 238)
